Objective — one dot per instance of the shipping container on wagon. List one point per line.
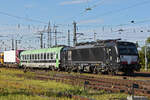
(12, 56)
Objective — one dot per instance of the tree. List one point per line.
(148, 40)
(137, 44)
(142, 54)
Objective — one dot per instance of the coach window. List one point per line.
(47, 56)
(41, 56)
(38, 56)
(35, 56)
(44, 56)
(22, 57)
(51, 55)
(32, 56)
(25, 57)
(54, 56)
(28, 57)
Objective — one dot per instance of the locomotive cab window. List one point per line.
(127, 49)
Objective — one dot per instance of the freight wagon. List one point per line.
(1, 59)
(12, 58)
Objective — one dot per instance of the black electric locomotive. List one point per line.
(107, 56)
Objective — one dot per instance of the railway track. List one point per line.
(123, 85)
(112, 85)
(115, 85)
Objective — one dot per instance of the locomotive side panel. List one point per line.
(86, 59)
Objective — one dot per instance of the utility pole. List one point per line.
(16, 42)
(103, 28)
(49, 36)
(41, 39)
(146, 56)
(68, 37)
(75, 33)
(12, 43)
(94, 36)
(55, 31)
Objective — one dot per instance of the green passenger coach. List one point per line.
(41, 58)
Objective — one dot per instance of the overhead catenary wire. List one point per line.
(125, 8)
(114, 11)
(95, 5)
(85, 10)
(23, 18)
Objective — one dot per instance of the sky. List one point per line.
(22, 19)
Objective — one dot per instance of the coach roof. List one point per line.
(45, 50)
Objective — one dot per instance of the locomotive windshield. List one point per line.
(127, 48)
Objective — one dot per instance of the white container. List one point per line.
(10, 56)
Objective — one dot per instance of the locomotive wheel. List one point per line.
(111, 72)
(79, 70)
(95, 70)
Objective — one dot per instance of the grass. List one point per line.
(13, 87)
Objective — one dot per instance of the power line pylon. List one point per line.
(75, 33)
